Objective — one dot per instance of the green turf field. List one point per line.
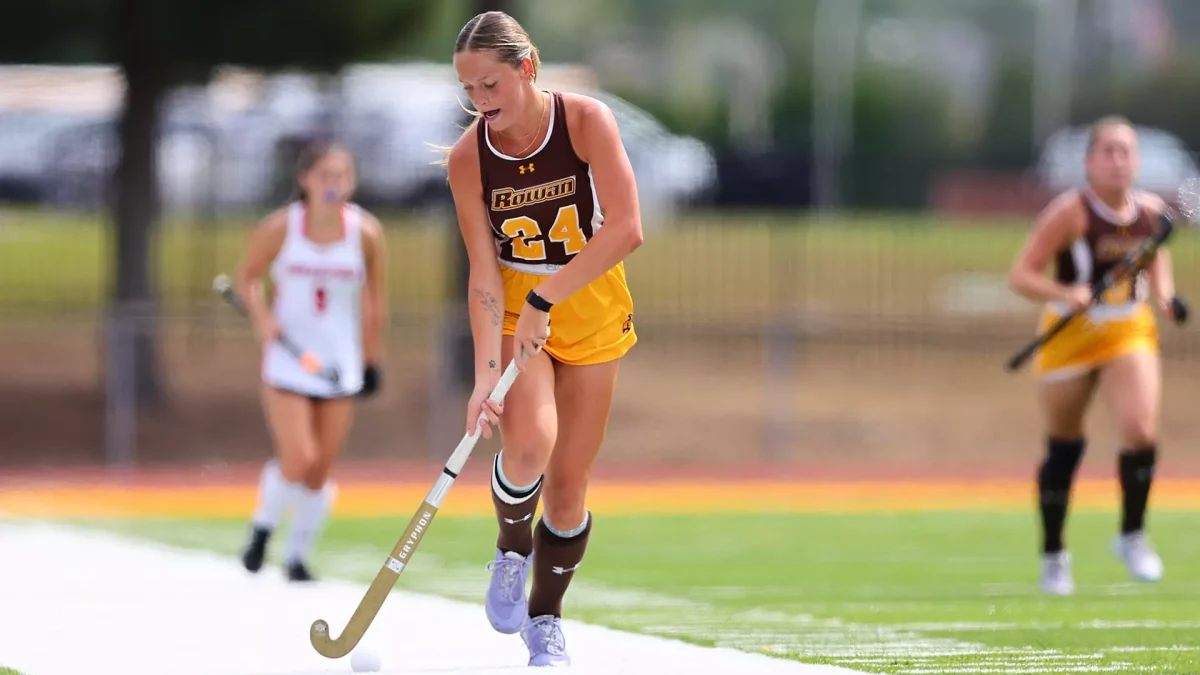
(722, 265)
(8, 671)
(906, 593)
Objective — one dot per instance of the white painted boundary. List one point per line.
(87, 603)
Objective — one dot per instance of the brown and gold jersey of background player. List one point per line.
(543, 207)
(1105, 241)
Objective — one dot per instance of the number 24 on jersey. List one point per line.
(524, 232)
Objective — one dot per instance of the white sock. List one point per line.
(312, 509)
(275, 493)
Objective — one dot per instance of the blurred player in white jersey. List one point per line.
(325, 256)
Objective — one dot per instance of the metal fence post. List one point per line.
(120, 400)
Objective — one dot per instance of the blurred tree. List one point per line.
(159, 45)
(1008, 138)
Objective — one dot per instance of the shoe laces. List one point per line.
(511, 570)
(1137, 545)
(1058, 564)
(547, 634)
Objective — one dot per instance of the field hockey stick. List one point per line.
(224, 287)
(1188, 203)
(1133, 262)
(402, 552)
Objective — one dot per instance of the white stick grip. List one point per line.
(506, 381)
(459, 457)
(498, 392)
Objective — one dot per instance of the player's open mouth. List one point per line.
(490, 115)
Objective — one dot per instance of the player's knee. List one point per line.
(526, 452)
(296, 462)
(1063, 425)
(319, 470)
(523, 463)
(316, 477)
(1139, 433)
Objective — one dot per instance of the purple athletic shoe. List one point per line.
(543, 635)
(506, 605)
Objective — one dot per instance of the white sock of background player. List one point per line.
(275, 494)
(312, 510)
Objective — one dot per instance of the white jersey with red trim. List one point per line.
(317, 304)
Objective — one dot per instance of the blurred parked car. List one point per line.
(390, 115)
(27, 139)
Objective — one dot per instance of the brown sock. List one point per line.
(514, 512)
(554, 566)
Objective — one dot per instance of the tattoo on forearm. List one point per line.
(491, 304)
(492, 364)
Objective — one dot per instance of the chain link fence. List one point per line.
(822, 281)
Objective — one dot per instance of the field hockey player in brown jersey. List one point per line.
(548, 207)
(1112, 349)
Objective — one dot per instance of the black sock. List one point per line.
(1136, 469)
(1054, 488)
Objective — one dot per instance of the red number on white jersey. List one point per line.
(320, 300)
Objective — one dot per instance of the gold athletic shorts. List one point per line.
(1088, 342)
(595, 325)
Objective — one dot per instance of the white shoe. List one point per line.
(1139, 556)
(1056, 574)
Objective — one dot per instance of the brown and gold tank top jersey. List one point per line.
(543, 207)
(1105, 241)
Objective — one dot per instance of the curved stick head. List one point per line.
(325, 645)
(222, 284)
(1188, 198)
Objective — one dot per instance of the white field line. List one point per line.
(846, 644)
(646, 612)
(984, 626)
(86, 603)
(1014, 656)
(791, 635)
(1007, 669)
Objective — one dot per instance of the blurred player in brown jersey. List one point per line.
(548, 208)
(1112, 349)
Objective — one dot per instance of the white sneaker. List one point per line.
(1139, 556)
(1056, 574)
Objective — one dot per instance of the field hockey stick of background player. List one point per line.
(337, 647)
(224, 287)
(1129, 265)
(1187, 202)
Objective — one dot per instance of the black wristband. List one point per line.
(538, 302)
(371, 381)
(1179, 308)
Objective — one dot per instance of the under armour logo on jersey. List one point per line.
(510, 521)
(525, 167)
(564, 570)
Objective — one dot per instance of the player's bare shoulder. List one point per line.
(1064, 215)
(581, 106)
(274, 221)
(464, 153)
(1150, 202)
(271, 231)
(585, 115)
(371, 227)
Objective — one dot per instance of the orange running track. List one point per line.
(365, 498)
